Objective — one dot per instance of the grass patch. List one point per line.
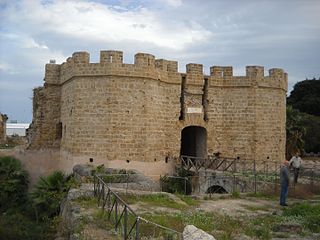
(256, 208)
(178, 221)
(188, 200)
(87, 202)
(160, 200)
(309, 214)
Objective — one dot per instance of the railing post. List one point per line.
(94, 185)
(127, 183)
(185, 185)
(125, 219)
(116, 212)
(312, 178)
(138, 228)
(255, 176)
(103, 196)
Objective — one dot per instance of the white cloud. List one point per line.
(31, 43)
(174, 3)
(97, 22)
(5, 67)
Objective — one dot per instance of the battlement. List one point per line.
(146, 66)
(111, 57)
(219, 71)
(165, 65)
(81, 58)
(144, 60)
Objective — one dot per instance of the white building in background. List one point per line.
(17, 129)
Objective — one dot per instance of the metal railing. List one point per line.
(229, 182)
(124, 219)
(235, 165)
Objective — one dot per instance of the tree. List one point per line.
(295, 131)
(305, 97)
(312, 136)
(13, 183)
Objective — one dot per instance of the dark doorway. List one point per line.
(194, 141)
(216, 189)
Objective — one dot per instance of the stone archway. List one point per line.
(216, 189)
(194, 141)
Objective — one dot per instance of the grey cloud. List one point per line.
(270, 33)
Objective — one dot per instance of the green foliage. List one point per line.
(188, 200)
(161, 200)
(305, 97)
(48, 194)
(235, 194)
(295, 131)
(303, 111)
(310, 215)
(17, 220)
(17, 225)
(13, 183)
(179, 183)
(312, 136)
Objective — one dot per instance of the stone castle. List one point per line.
(141, 115)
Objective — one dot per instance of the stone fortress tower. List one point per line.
(140, 115)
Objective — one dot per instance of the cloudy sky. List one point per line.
(271, 33)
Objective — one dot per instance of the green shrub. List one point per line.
(20, 226)
(13, 183)
(179, 183)
(48, 194)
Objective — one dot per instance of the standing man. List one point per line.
(296, 162)
(284, 182)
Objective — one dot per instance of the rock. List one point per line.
(86, 190)
(190, 232)
(84, 170)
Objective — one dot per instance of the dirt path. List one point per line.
(240, 207)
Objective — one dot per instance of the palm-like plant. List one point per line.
(295, 131)
(48, 193)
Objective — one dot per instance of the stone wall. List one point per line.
(3, 120)
(135, 113)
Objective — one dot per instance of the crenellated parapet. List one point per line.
(147, 66)
(222, 76)
(111, 63)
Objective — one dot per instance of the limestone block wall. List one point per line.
(113, 111)
(117, 118)
(3, 120)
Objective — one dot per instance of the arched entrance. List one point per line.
(216, 189)
(194, 141)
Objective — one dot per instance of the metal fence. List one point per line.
(228, 164)
(125, 220)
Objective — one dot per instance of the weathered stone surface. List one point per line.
(133, 113)
(83, 170)
(3, 120)
(190, 232)
(86, 190)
